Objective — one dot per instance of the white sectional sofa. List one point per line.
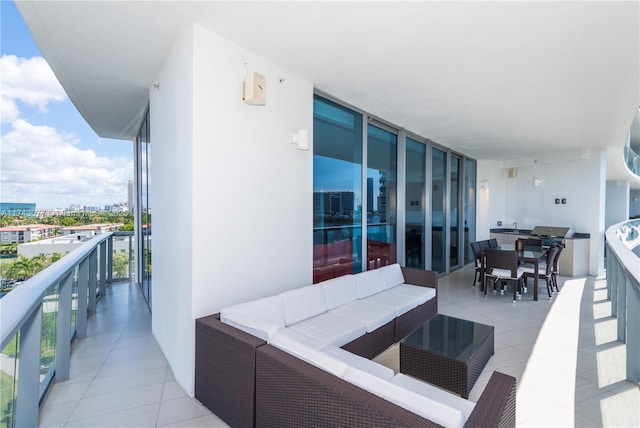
(332, 328)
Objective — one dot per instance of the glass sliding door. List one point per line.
(469, 208)
(382, 149)
(454, 213)
(337, 190)
(415, 203)
(438, 204)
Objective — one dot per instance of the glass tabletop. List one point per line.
(528, 252)
(450, 337)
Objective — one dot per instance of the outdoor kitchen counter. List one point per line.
(574, 259)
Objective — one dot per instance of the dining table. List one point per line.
(528, 254)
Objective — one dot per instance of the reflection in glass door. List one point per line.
(415, 202)
(454, 213)
(438, 200)
(381, 196)
(337, 190)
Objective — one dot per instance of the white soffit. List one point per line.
(492, 80)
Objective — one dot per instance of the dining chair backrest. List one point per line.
(557, 257)
(532, 242)
(493, 243)
(501, 259)
(477, 253)
(483, 245)
(551, 258)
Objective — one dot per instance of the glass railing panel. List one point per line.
(122, 269)
(48, 338)
(632, 159)
(8, 382)
(74, 300)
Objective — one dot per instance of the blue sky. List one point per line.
(48, 153)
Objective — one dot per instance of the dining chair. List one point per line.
(502, 266)
(545, 270)
(554, 269)
(477, 256)
(493, 243)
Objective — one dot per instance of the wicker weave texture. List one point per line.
(451, 374)
(225, 371)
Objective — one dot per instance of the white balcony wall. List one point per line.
(578, 176)
(618, 202)
(232, 197)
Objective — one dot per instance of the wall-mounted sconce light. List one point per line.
(301, 139)
(484, 184)
(537, 182)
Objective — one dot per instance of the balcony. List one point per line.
(572, 367)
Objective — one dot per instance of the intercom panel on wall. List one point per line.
(255, 89)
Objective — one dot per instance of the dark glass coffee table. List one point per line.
(448, 352)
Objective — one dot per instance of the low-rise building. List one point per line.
(26, 233)
(90, 229)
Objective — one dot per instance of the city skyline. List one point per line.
(49, 154)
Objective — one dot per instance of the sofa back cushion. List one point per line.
(303, 303)
(368, 283)
(339, 291)
(391, 276)
(430, 409)
(316, 357)
(261, 318)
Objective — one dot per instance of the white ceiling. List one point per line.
(492, 80)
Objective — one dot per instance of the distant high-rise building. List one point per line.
(130, 195)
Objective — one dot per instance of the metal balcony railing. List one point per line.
(623, 287)
(40, 318)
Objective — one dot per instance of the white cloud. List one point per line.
(40, 165)
(30, 81)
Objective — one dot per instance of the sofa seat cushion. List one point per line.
(309, 341)
(368, 283)
(391, 276)
(359, 362)
(339, 291)
(401, 304)
(372, 315)
(331, 328)
(261, 318)
(426, 407)
(426, 390)
(318, 358)
(302, 303)
(423, 294)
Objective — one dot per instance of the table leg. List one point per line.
(535, 280)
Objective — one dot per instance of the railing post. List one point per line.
(63, 329)
(29, 371)
(83, 294)
(103, 267)
(130, 264)
(110, 260)
(633, 332)
(612, 281)
(93, 270)
(623, 310)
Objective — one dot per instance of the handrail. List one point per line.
(77, 278)
(623, 287)
(18, 305)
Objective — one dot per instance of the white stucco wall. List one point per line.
(171, 116)
(232, 197)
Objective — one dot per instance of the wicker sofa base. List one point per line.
(291, 392)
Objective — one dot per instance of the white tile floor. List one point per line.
(564, 354)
